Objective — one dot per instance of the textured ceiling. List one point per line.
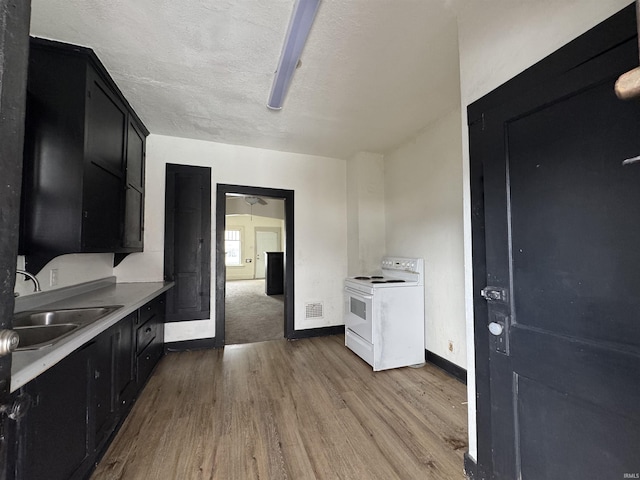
(374, 72)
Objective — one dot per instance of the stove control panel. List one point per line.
(400, 263)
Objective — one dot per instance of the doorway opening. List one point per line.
(254, 294)
(254, 264)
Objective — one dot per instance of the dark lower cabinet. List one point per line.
(78, 404)
(124, 374)
(114, 377)
(102, 362)
(274, 273)
(150, 339)
(53, 435)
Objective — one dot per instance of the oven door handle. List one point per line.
(356, 293)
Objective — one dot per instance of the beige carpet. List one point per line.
(251, 315)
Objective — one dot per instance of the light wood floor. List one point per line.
(308, 409)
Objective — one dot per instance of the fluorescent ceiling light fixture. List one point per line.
(304, 12)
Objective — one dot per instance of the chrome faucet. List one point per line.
(32, 277)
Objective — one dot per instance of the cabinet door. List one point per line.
(53, 434)
(134, 199)
(105, 130)
(106, 123)
(159, 319)
(101, 222)
(103, 386)
(124, 361)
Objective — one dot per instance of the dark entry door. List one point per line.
(14, 49)
(557, 226)
(188, 242)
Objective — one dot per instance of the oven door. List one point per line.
(358, 313)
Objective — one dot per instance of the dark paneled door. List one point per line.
(562, 234)
(14, 48)
(188, 242)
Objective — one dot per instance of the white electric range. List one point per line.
(384, 314)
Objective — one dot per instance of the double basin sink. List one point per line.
(43, 328)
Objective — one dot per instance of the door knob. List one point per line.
(496, 329)
(9, 340)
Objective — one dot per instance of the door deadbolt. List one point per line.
(494, 294)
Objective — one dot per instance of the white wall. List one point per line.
(497, 40)
(72, 269)
(365, 207)
(424, 219)
(320, 233)
(247, 224)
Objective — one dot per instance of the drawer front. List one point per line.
(151, 309)
(359, 346)
(146, 333)
(146, 312)
(146, 361)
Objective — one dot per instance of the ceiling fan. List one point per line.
(250, 199)
(253, 200)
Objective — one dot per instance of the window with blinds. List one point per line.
(233, 248)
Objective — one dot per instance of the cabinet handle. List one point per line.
(96, 374)
(147, 330)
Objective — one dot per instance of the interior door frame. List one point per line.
(221, 211)
(604, 36)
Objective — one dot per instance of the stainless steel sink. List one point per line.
(32, 338)
(41, 328)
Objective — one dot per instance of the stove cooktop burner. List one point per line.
(361, 278)
(375, 277)
(395, 281)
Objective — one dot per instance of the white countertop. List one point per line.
(28, 364)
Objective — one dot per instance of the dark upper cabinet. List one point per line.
(134, 197)
(106, 126)
(84, 159)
